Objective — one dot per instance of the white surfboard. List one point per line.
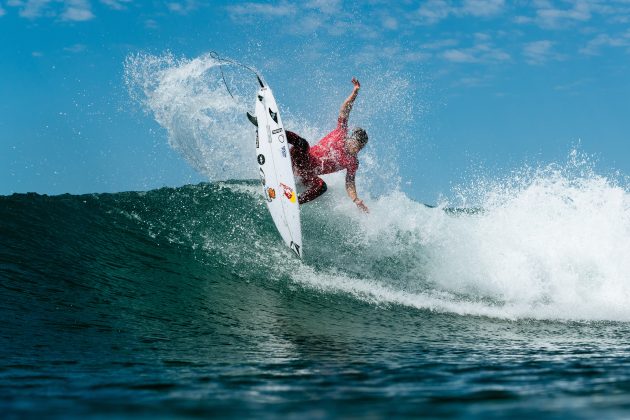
(275, 170)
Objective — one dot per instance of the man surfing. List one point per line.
(338, 150)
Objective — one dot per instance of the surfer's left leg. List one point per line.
(316, 187)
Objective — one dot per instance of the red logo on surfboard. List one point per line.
(288, 192)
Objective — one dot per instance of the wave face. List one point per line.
(551, 248)
(186, 299)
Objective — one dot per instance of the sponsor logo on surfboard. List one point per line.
(276, 131)
(274, 115)
(281, 138)
(261, 159)
(257, 140)
(270, 194)
(284, 151)
(288, 192)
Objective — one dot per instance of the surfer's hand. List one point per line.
(361, 205)
(356, 83)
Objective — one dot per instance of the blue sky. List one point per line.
(489, 85)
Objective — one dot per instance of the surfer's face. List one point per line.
(353, 146)
(356, 141)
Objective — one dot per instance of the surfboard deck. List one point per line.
(275, 170)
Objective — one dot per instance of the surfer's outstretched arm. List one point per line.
(344, 112)
(351, 189)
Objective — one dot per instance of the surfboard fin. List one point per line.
(295, 248)
(252, 119)
(262, 85)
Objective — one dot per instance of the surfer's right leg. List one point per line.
(316, 187)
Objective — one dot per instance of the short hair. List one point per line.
(360, 135)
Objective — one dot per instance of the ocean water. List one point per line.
(184, 302)
(510, 300)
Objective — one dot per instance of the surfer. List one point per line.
(338, 150)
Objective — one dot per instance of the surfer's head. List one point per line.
(356, 141)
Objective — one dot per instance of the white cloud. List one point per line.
(538, 52)
(76, 48)
(548, 16)
(561, 14)
(372, 54)
(434, 11)
(308, 24)
(440, 44)
(77, 10)
(470, 81)
(390, 23)
(482, 51)
(67, 10)
(415, 56)
(328, 7)
(182, 7)
(459, 56)
(31, 9)
(116, 4)
(573, 86)
(262, 9)
(482, 7)
(151, 24)
(2, 11)
(594, 46)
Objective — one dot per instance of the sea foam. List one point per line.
(550, 242)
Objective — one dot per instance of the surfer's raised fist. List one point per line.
(356, 83)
